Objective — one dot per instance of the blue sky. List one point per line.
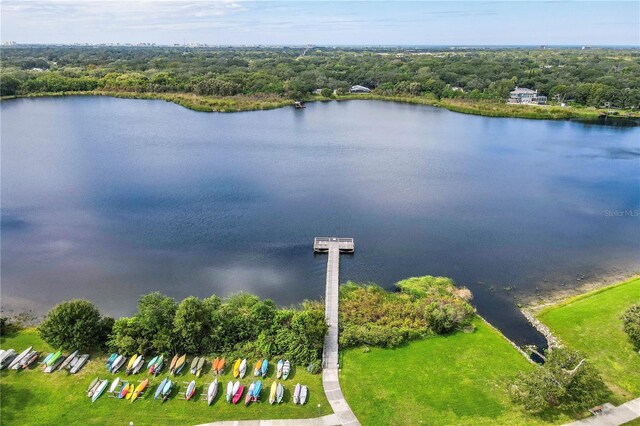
(327, 23)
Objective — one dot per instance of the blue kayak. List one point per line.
(265, 367)
(160, 388)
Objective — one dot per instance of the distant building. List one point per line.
(522, 95)
(359, 89)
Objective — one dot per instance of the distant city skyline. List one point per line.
(227, 22)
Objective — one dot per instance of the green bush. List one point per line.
(631, 324)
(76, 324)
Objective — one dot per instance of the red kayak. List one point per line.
(238, 395)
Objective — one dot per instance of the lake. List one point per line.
(108, 199)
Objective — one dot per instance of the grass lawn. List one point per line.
(591, 323)
(34, 398)
(460, 379)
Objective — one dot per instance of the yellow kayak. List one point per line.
(256, 370)
(272, 394)
(132, 361)
(180, 363)
(131, 388)
(236, 368)
(141, 387)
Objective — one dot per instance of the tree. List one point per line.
(76, 324)
(9, 85)
(631, 324)
(565, 381)
(192, 325)
(155, 316)
(326, 92)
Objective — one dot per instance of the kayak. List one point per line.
(236, 368)
(172, 366)
(221, 366)
(304, 392)
(137, 365)
(114, 385)
(69, 360)
(153, 361)
(249, 396)
(279, 368)
(214, 365)
(119, 362)
(141, 387)
(93, 388)
(200, 366)
(53, 359)
(92, 384)
(166, 390)
(296, 394)
(15, 364)
(242, 370)
(52, 367)
(229, 391)
(99, 390)
(112, 358)
(29, 359)
(46, 359)
(180, 364)
(279, 393)
(238, 395)
(124, 390)
(132, 360)
(157, 367)
(191, 390)
(7, 357)
(256, 370)
(194, 365)
(212, 391)
(79, 363)
(286, 369)
(160, 387)
(272, 393)
(265, 368)
(256, 391)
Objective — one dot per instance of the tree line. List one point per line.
(597, 77)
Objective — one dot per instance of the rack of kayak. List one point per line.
(55, 361)
(235, 391)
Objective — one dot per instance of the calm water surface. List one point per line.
(108, 199)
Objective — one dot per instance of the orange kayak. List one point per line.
(141, 387)
(172, 366)
(214, 365)
(221, 365)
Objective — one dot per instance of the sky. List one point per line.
(232, 22)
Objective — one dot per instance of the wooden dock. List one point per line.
(333, 247)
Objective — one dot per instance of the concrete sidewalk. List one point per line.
(614, 417)
(330, 420)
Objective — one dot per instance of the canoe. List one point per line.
(67, 362)
(166, 391)
(286, 369)
(182, 361)
(79, 364)
(194, 365)
(279, 393)
(15, 364)
(296, 394)
(229, 393)
(54, 358)
(29, 359)
(112, 358)
(265, 368)
(256, 370)
(153, 361)
(141, 387)
(160, 387)
(132, 360)
(200, 366)
(137, 365)
(238, 394)
(304, 392)
(249, 397)
(272, 393)
(212, 391)
(172, 366)
(242, 370)
(256, 390)
(99, 390)
(279, 368)
(123, 390)
(221, 366)
(8, 356)
(92, 384)
(52, 367)
(119, 362)
(157, 367)
(214, 365)
(191, 390)
(114, 385)
(236, 368)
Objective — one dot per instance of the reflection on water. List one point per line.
(108, 199)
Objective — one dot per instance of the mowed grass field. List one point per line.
(591, 323)
(34, 398)
(459, 379)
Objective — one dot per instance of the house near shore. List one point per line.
(359, 89)
(522, 95)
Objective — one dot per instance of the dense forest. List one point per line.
(587, 77)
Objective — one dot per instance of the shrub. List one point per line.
(76, 324)
(631, 324)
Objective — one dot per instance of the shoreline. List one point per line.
(242, 103)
